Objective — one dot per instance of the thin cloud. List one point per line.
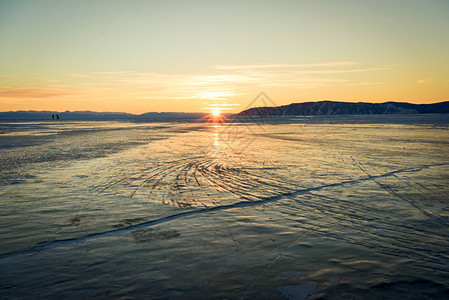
(271, 66)
(222, 104)
(364, 83)
(171, 86)
(232, 81)
(220, 89)
(213, 79)
(302, 76)
(345, 70)
(34, 92)
(421, 81)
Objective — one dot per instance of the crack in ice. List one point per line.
(243, 204)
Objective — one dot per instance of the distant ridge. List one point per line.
(347, 108)
(307, 108)
(83, 115)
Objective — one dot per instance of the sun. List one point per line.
(216, 116)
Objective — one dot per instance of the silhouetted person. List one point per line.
(57, 117)
(53, 116)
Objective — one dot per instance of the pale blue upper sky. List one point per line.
(55, 52)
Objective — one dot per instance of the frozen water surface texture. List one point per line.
(299, 208)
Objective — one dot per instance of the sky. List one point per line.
(191, 56)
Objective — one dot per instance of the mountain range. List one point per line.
(81, 115)
(306, 108)
(347, 108)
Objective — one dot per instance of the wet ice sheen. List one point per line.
(225, 210)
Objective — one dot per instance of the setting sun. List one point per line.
(216, 116)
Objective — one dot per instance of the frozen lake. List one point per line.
(321, 207)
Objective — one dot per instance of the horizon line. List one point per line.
(200, 112)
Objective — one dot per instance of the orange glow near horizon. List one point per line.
(140, 92)
(216, 117)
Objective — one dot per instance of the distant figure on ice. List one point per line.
(53, 117)
(57, 117)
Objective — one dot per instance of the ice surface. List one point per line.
(174, 210)
(301, 291)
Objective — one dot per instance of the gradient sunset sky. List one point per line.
(141, 56)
